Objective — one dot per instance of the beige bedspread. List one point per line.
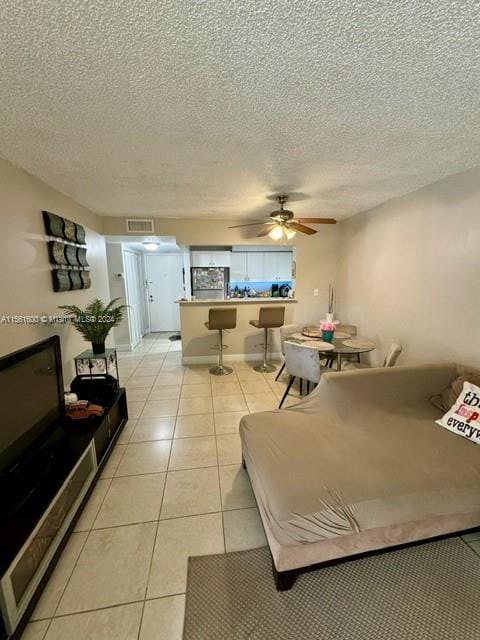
(361, 456)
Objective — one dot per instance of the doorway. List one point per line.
(165, 287)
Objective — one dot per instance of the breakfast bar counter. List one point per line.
(243, 343)
(216, 301)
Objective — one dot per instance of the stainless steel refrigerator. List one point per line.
(210, 282)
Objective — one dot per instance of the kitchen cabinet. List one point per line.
(238, 269)
(278, 266)
(256, 266)
(211, 258)
(284, 270)
(261, 266)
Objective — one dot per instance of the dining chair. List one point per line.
(301, 362)
(285, 332)
(347, 328)
(389, 361)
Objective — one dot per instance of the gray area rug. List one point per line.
(425, 592)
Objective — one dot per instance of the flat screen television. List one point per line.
(31, 398)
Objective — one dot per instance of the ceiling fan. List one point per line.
(283, 225)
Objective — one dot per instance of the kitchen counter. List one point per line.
(217, 301)
(244, 342)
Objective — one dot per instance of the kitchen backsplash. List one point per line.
(258, 287)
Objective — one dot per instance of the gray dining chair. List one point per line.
(286, 332)
(301, 362)
(390, 359)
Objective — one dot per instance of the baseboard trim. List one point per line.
(234, 357)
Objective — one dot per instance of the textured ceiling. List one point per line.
(204, 108)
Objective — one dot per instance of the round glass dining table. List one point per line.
(339, 348)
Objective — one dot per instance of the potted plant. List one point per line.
(327, 329)
(95, 321)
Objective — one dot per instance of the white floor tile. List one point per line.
(190, 453)
(144, 457)
(194, 425)
(148, 429)
(116, 623)
(89, 513)
(177, 540)
(130, 500)
(235, 488)
(243, 530)
(112, 569)
(57, 582)
(163, 619)
(191, 492)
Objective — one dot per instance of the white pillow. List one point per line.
(464, 416)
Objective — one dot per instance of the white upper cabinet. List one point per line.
(278, 266)
(271, 266)
(284, 271)
(238, 269)
(256, 266)
(248, 266)
(211, 259)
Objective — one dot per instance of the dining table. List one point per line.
(336, 349)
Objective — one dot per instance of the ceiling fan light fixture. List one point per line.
(290, 233)
(276, 233)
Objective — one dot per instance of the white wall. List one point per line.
(25, 279)
(116, 284)
(410, 270)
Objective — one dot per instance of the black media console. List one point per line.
(42, 500)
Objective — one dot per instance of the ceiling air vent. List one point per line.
(136, 225)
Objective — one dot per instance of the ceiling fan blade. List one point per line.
(250, 224)
(302, 228)
(266, 231)
(317, 220)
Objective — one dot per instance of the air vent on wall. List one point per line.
(136, 225)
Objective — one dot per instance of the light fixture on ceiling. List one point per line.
(281, 232)
(282, 224)
(151, 246)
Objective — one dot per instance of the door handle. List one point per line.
(150, 298)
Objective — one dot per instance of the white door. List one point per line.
(238, 271)
(134, 295)
(165, 286)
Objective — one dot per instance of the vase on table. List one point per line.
(327, 335)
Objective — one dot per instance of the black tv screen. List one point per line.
(31, 397)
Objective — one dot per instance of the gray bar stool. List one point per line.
(269, 318)
(218, 320)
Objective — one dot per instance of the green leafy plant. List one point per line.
(96, 320)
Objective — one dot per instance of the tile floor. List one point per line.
(173, 487)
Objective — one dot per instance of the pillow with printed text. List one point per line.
(464, 416)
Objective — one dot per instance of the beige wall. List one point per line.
(410, 270)
(25, 280)
(315, 255)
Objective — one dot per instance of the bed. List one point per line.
(359, 466)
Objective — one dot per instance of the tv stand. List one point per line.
(49, 491)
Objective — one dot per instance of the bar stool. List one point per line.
(218, 320)
(269, 318)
